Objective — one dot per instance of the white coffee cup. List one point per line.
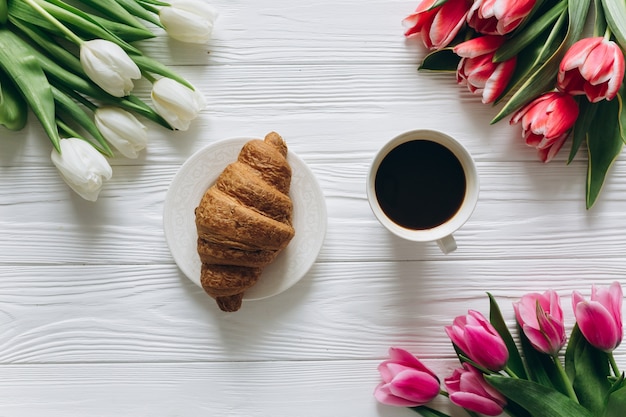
(429, 187)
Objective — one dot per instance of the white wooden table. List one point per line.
(97, 320)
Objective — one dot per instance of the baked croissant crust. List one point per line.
(244, 220)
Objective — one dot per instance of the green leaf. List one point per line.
(441, 60)
(21, 65)
(541, 368)
(615, 14)
(147, 64)
(143, 12)
(78, 115)
(13, 108)
(605, 139)
(543, 79)
(524, 38)
(123, 31)
(586, 114)
(616, 402)
(114, 11)
(428, 412)
(538, 400)
(4, 12)
(588, 369)
(515, 362)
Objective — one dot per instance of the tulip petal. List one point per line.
(476, 403)
(597, 325)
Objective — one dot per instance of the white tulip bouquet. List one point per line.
(73, 66)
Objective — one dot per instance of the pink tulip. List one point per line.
(541, 319)
(467, 388)
(600, 320)
(437, 25)
(498, 17)
(594, 67)
(546, 122)
(479, 340)
(477, 69)
(406, 381)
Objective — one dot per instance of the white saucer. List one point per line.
(199, 172)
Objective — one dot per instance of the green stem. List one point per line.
(566, 382)
(607, 33)
(614, 366)
(68, 33)
(510, 373)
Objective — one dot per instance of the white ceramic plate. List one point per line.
(199, 172)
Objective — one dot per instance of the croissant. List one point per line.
(244, 220)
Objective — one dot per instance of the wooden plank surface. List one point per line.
(96, 318)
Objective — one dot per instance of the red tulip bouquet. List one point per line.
(535, 57)
(496, 377)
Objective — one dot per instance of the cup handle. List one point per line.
(447, 244)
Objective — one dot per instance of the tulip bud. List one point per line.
(406, 381)
(107, 65)
(479, 340)
(438, 25)
(188, 20)
(176, 103)
(477, 70)
(122, 130)
(593, 67)
(546, 122)
(541, 318)
(600, 320)
(82, 167)
(467, 388)
(498, 17)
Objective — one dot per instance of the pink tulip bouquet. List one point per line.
(528, 378)
(536, 59)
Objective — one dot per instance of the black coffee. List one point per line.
(420, 184)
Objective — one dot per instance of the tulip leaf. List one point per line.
(515, 362)
(512, 47)
(605, 139)
(543, 79)
(428, 412)
(537, 399)
(126, 32)
(21, 65)
(13, 108)
(587, 369)
(67, 105)
(541, 367)
(147, 64)
(139, 10)
(4, 12)
(441, 60)
(616, 401)
(586, 114)
(615, 14)
(115, 11)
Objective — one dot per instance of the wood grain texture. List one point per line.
(96, 318)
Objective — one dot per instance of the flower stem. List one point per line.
(510, 372)
(44, 13)
(565, 379)
(614, 366)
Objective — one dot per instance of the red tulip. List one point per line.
(479, 340)
(546, 122)
(477, 69)
(467, 388)
(594, 67)
(406, 381)
(600, 320)
(541, 318)
(437, 25)
(498, 17)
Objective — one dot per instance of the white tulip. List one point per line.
(82, 167)
(122, 130)
(189, 20)
(109, 66)
(176, 103)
